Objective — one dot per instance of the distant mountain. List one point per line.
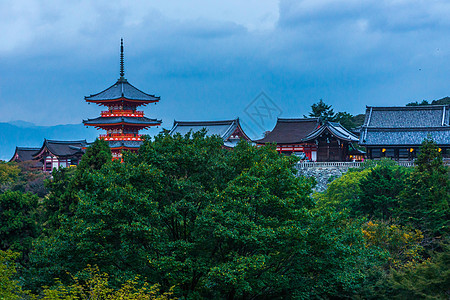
(25, 134)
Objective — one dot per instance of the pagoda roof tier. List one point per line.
(129, 121)
(120, 91)
(124, 145)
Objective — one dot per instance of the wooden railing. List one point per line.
(311, 164)
(121, 137)
(122, 113)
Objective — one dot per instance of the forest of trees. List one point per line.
(185, 218)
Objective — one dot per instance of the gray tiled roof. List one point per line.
(335, 129)
(404, 136)
(24, 154)
(144, 121)
(407, 116)
(128, 144)
(62, 148)
(221, 128)
(408, 125)
(122, 89)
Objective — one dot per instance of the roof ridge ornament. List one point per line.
(122, 69)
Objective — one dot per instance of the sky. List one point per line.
(210, 60)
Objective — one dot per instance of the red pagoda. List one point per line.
(122, 121)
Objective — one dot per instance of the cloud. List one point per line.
(349, 52)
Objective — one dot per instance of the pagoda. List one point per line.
(122, 121)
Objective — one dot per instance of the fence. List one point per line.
(346, 165)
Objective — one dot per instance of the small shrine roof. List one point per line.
(222, 128)
(144, 121)
(290, 131)
(62, 148)
(24, 154)
(336, 129)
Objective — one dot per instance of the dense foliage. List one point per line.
(186, 218)
(407, 213)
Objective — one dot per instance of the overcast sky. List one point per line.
(210, 59)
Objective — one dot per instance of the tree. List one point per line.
(345, 119)
(8, 175)
(61, 202)
(9, 286)
(380, 190)
(95, 285)
(18, 227)
(425, 201)
(424, 102)
(96, 156)
(67, 182)
(213, 223)
(322, 110)
(326, 113)
(429, 279)
(343, 192)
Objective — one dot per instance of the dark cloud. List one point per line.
(351, 53)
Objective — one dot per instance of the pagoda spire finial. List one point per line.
(122, 72)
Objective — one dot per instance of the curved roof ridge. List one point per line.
(336, 129)
(116, 93)
(297, 119)
(217, 122)
(410, 107)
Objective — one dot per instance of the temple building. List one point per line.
(122, 121)
(52, 154)
(23, 154)
(229, 130)
(312, 140)
(398, 132)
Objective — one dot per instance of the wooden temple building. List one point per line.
(229, 130)
(22, 154)
(312, 140)
(52, 154)
(398, 132)
(122, 121)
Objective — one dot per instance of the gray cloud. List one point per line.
(209, 62)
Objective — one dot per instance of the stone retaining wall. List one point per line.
(324, 172)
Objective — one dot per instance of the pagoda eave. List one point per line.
(115, 125)
(122, 99)
(121, 148)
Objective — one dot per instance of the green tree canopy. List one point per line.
(97, 154)
(322, 110)
(213, 223)
(380, 190)
(425, 201)
(18, 226)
